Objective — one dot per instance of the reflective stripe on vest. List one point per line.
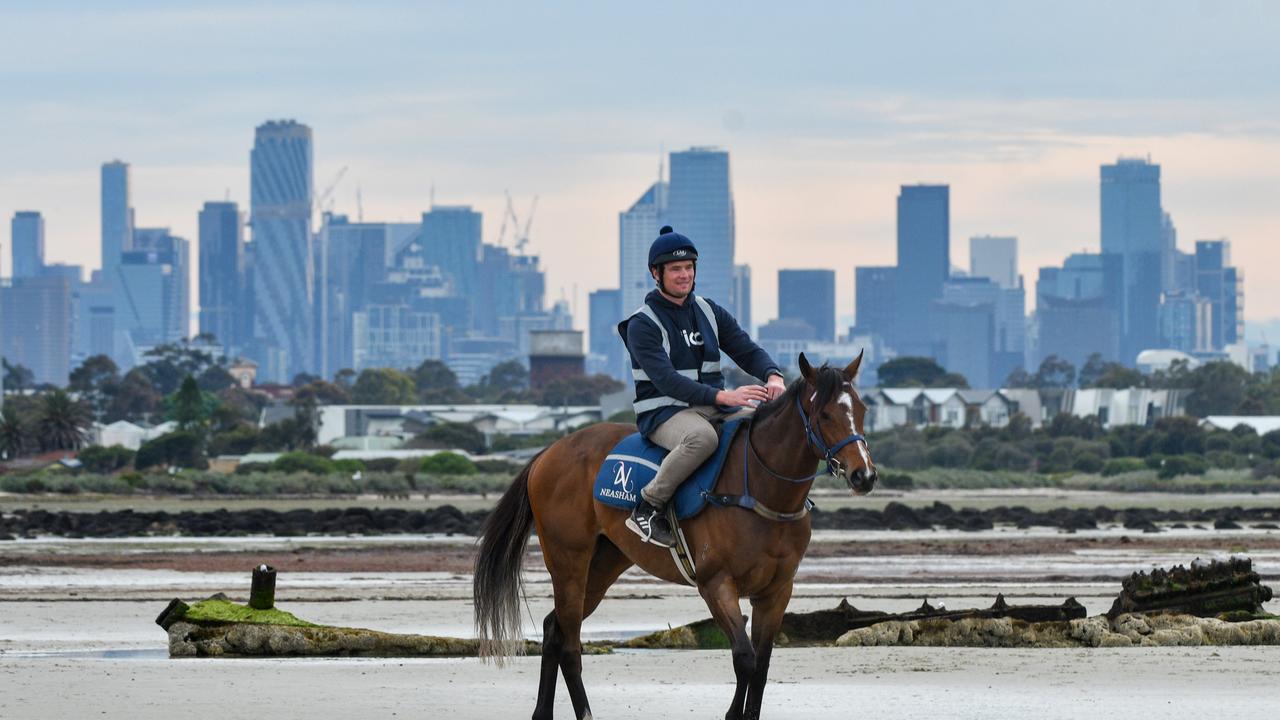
(708, 367)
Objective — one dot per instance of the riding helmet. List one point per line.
(671, 246)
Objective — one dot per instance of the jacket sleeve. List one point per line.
(644, 340)
(737, 344)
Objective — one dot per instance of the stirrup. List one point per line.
(643, 524)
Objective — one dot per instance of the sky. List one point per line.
(826, 109)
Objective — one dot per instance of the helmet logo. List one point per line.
(681, 252)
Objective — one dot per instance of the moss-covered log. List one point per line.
(1216, 589)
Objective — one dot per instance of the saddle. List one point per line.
(634, 461)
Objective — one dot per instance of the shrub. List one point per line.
(295, 462)
(180, 448)
(349, 465)
(897, 481)
(1175, 465)
(1088, 462)
(252, 467)
(381, 464)
(447, 463)
(98, 459)
(1121, 465)
(502, 467)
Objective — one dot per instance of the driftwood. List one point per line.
(1228, 590)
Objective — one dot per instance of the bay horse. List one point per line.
(737, 553)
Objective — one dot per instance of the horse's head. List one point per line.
(834, 416)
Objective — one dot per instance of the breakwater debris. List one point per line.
(1217, 603)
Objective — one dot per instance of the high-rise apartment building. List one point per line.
(637, 228)
(27, 244)
(117, 216)
(700, 207)
(924, 262)
(1133, 227)
(222, 274)
(281, 191)
(995, 258)
(809, 296)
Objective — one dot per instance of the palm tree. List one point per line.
(62, 422)
(13, 433)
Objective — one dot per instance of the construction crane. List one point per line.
(521, 233)
(323, 202)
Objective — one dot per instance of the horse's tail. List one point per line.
(498, 586)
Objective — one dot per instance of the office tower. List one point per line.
(875, 291)
(1133, 228)
(281, 190)
(809, 296)
(1186, 322)
(637, 229)
(510, 285)
(394, 336)
(351, 258)
(152, 289)
(1223, 287)
(973, 309)
(451, 237)
(924, 262)
(700, 207)
(1078, 308)
(35, 327)
(604, 312)
(117, 216)
(995, 258)
(27, 233)
(94, 326)
(222, 273)
(742, 295)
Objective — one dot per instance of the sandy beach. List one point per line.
(78, 639)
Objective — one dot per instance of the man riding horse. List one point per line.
(675, 340)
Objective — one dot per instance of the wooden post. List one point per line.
(262, 594)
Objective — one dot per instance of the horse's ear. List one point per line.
(851, 372)
(806, 370)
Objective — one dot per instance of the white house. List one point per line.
(126, 434)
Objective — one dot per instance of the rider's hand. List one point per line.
(776, 386)
(745, 396)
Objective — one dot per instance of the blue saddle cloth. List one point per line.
(633, 463)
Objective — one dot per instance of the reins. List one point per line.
(748, 501)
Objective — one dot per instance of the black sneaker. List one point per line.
(650, 523)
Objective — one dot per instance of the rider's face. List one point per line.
(677, 277)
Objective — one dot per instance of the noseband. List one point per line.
(834, 466)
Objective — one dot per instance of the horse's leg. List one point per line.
(544, 709)
(766, 619)
(607, 563)
(721, 596)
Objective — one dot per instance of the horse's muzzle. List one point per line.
(862, 480)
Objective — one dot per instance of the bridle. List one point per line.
(834, 466)
(814, 439)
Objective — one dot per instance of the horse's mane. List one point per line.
(828, 381)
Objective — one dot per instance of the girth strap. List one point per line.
(750, 503)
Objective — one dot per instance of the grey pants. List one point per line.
(691, 439)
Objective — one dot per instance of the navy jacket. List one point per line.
(688, 373)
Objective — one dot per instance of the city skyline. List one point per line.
(822, 134)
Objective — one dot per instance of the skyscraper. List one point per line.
(117, 215)
(742, 295)
(152, 288)
(606, 348)
(35, 327)
(637, 228)
(995, 258)
(875, 302)
(452, 237)
(222, 273)
(281, 191)
(1133, 227)
(924, 262)
(27, 229)
(809, 296)
(1078, 308)
(700, 206)
(1223, 287)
